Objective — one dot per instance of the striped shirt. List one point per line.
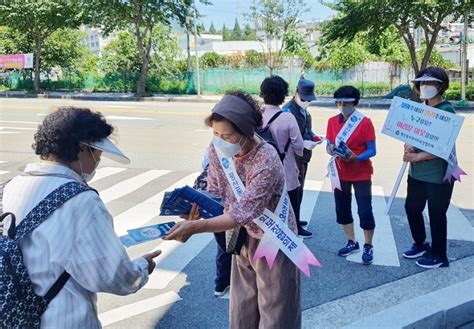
(78, 238)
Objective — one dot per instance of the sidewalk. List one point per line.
(375, 103)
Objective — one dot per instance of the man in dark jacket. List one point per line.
(298, 107)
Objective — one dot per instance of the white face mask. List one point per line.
(346, 110)
(302, 104)
(428, 92)
(87, 177)
(225, 147)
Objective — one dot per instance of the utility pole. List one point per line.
(198, 80)
(188, 45)
(464, 67)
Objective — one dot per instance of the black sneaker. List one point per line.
(221, 290)
(350, 248)
(416, 251)
(431, 261)
(302, 233)
(303, 223)
(368, 254)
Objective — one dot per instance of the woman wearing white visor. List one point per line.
(74, 248)
(426, 182)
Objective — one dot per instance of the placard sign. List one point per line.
(427, 128)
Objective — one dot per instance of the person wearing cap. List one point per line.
(298, 107)
(287, 136)
(77, 238)
(426, 183)
(354, 171)
(259, 297)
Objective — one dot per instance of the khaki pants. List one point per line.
(264, 298)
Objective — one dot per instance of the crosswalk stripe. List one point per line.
(459, 227)
(385, 249)
(133, 309)
(310, 197)
(18, 128)
(106, 172)
(129, 185)
(174, 258)
(145, 211)
(8, 132)
(3, 162)
(3, 172)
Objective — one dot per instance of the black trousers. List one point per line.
(295, 204)
(438, 197)
(223, 262)
(363, 195)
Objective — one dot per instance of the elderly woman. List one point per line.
(259, 297)
(75, 249)
(426, 183)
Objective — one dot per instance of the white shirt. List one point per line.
(78, 237)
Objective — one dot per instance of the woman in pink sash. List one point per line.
(259, 297)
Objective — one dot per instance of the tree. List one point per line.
(210, 60)
(376, 16)
(37, 20)
(225, 33)
(212, 29)
(143, 16)
(340, 55)
(295, 46)
(275, 18)
(249, 33)
(236, 32)
(201, 28)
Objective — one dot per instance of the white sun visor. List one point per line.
(344, 99)
(110, 150)
(426, 78)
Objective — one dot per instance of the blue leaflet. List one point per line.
(180, 202)
(148, 233)
(342, 151)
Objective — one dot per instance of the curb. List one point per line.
(376, 104)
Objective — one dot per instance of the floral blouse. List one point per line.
(262, 174)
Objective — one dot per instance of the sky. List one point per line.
(225, 11)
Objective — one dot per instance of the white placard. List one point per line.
(427, 128)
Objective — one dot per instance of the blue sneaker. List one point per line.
(368, 254)
(350, 248)
(431, 261)
(416, 251)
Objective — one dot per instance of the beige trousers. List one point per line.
(264, 298)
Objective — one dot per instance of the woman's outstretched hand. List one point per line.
(182, 231)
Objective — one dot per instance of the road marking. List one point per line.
(129, 185)
(145, 211)
(18, 128)
(106, 172)
(459, 227)
(133, 309)
(25, 122)
(385, 249)
(310, 197)
(8, 132)
(3, 172)
(203, 130)
(116, 117)
(3, 162)
(174, 258)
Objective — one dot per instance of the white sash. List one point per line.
(277, 234)
(346, 132)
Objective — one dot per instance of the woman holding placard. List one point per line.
(248, 175)
(426, 181)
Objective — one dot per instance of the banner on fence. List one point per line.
(16, 61)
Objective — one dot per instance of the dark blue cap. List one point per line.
(305, 89)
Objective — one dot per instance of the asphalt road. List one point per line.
(165, 142)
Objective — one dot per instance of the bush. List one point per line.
(210, 60)
(366, 89)
(454, 91)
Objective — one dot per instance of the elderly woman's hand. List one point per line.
(182, 231)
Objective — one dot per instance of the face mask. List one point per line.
(88, 177)
(428, 92)
(346, 110)
(225, 147)
(302, 104)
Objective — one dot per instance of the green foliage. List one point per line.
(367, 89)
(376, 16)
(454, 91)
(13, 42)
(341, 55)
(436, 59)
(254, 59)
(63, 48)
(212, 29)
(249, 33)
(236, 32)
(225, 33)
(210, 60)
